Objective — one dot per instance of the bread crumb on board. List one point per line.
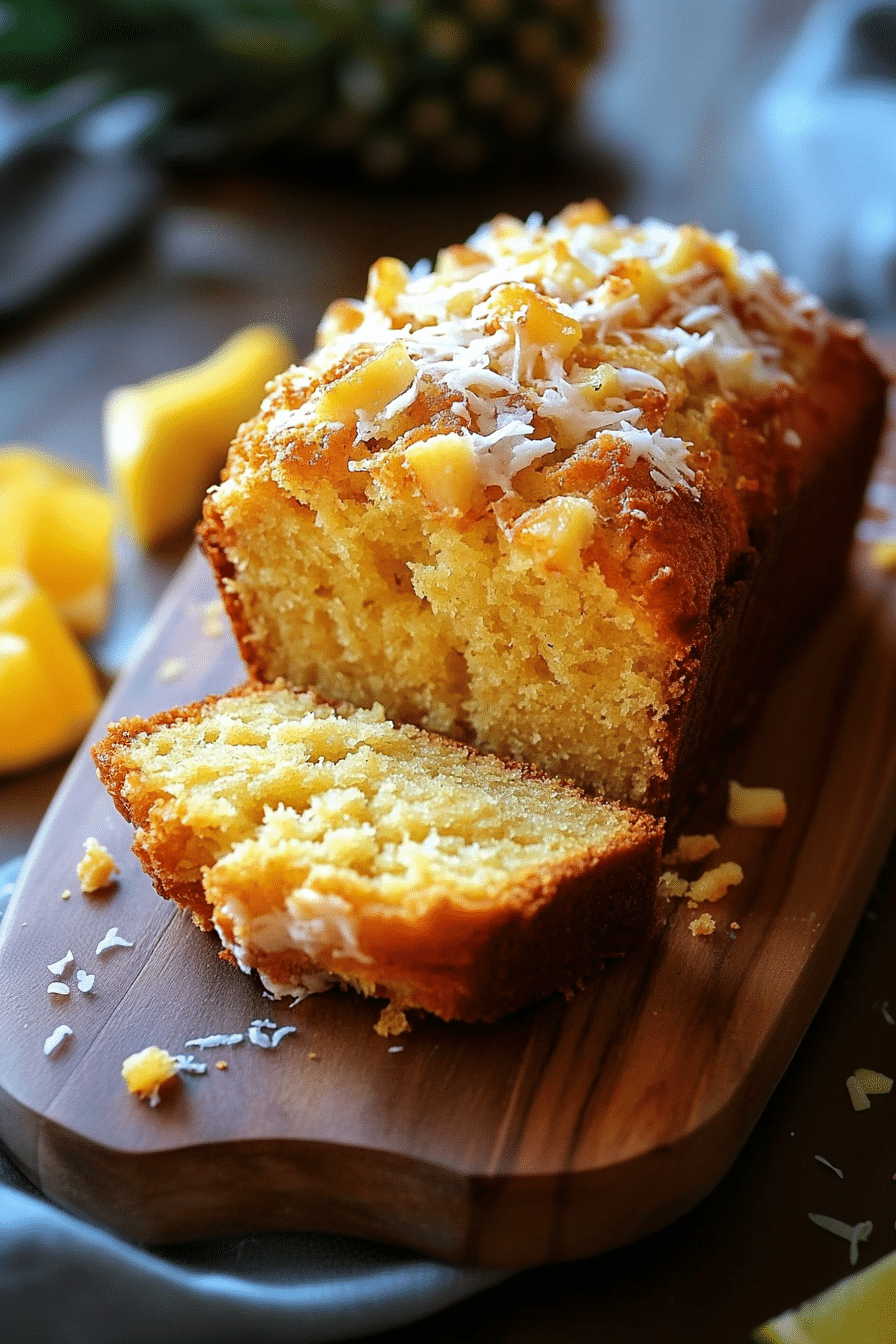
(873, 1083)
(671, 884)
(147, 1071)
(691, 849)
(391, 1022)
(755, 807)
(97, 868)
(702, 927)
(713, 884)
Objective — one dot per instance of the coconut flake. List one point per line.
(215, 1042)
(667, 457)
(825, 1163)
(279, 1034)
(55, 1040)
(259, 1037)
(57, 967)
(85, 981)
(112, 939)
(187, 1064)
(57, 987)
(861, 1232)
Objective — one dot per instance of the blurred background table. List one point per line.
(222, 253)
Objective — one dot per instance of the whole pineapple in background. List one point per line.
(386, 86)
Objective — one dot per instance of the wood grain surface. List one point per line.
(560, 1132)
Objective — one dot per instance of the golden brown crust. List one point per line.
(476, 966)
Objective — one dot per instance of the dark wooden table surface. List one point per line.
(220, 254)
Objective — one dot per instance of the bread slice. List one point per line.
(327, 845)
(570, 497)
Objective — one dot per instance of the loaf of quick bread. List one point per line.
(568, 497)
(327, 845)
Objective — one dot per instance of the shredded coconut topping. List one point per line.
(58, 988)
(57, 967)
(525, 388)
(85, 981)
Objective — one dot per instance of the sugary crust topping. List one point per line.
(550, 336)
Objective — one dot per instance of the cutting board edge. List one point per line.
(508, 1222)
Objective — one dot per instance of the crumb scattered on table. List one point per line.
(691, 849)
(313, 1055)
(872, 1083)
(857, 1094)
(702, 927)
(713, 884)
(672, 884)
(221, 1064)
(97, 868)
(66, 895)
(391, 1022)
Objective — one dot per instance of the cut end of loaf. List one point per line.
(326, 844)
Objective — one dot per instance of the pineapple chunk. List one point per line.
(571, 276)
(58, 526)
(147, 1070)
(461, 260)
(688, 248)
(604, 384)
(48, 691)
(166, 439)
(557, 531)
(369, 388)
(445, 466)
(341, 318)
(388, 277)
(755, 807)
(584, 212)
(647, 284)
(540, 321)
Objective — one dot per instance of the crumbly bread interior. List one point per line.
(326, 844)
(505, 498)
(449, 630)
(310, 796)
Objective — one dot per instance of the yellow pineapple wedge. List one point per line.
(860, 1309)
(167, 439)
(48, 690)
(56, 524)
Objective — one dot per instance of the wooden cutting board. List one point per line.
(560, 1132)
